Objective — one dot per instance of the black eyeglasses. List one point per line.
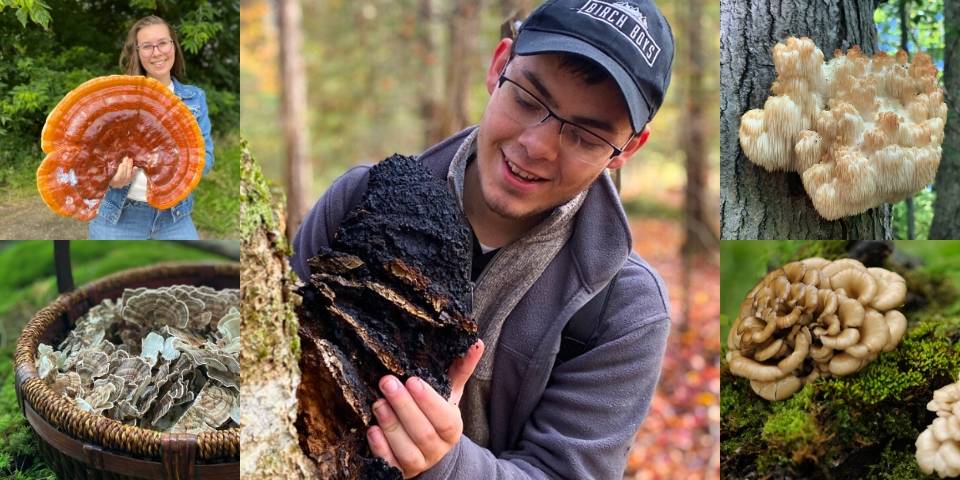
(527, 110)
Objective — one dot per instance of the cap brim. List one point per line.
(531, 42)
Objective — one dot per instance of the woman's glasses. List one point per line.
(148, 49)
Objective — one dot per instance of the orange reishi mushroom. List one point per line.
(861, 131)
(105, 119)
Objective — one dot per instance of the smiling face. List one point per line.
(155, 61)
(524, 171)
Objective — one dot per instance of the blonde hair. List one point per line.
(130, 57)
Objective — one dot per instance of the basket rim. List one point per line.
(31, 389)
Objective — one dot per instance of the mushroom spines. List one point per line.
(864, 104)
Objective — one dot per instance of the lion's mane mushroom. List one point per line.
(938, 447)
(861, 131)
(105, 119)
(814, 318)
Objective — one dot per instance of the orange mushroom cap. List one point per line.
(106, 119)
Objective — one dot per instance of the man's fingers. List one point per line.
(408, 456)
(461, 370)
(445, 418)
(380, 447)
(413, 420)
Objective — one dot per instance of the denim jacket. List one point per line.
(116, 198)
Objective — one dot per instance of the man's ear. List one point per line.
(632, 146)
(501, 55)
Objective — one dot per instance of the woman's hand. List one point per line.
(124, 174)
(417, 426)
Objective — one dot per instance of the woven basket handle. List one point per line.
(61, 263)
(179, 452)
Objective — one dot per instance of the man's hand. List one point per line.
(417, 426)
(124, 174)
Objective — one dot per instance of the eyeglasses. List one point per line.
(148, 48)
(527, 110)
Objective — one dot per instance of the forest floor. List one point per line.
(680, 438)
(28, 218)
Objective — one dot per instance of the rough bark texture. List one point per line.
(392, 296)
(946, 219)
(755, 203)
(270, 350)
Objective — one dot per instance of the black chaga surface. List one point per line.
(392, 296)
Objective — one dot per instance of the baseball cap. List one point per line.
(629, 38)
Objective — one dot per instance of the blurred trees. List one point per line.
(293, 114)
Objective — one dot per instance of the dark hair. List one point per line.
(130, 57)
(583, 67)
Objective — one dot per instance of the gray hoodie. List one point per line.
(573, 420)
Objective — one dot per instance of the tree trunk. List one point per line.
(293, 112)
(700, 236)
(946, 221)
(904, 30)
(269, 347)
(755, 203)
(463, 27)
(426, 47)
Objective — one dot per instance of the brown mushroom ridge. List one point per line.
(938, 447)
(105, 119)
(814, 318)
(861, 131)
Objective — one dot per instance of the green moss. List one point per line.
(897, 463)
(792, 427)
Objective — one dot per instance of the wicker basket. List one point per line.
(78, 444)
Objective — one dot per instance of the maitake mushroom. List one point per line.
(840, 315)
(860, 131)
(938, 447)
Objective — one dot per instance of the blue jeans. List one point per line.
(140, 221)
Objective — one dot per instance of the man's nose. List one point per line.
(542, 141)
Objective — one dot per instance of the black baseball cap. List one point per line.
(629, 38)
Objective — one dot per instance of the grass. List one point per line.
(26, 284)
(217, 210)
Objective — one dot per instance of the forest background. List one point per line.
(49, 47)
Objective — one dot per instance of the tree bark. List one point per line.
(946, 221)
(293, 112)
(755, 203)
(426, 48)
(904, 29)
(700, 236)
(269, 347)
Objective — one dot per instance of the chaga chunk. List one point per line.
(392, 296)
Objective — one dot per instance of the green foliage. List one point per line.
(922, 214)
(218, 204)
(925, 27)
(82, 40)
(35, 11)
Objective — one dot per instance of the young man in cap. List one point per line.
(569, 98)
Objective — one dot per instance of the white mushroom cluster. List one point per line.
(938, 447)
(861, 131)
(814, 318)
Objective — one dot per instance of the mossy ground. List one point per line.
(863, 426)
